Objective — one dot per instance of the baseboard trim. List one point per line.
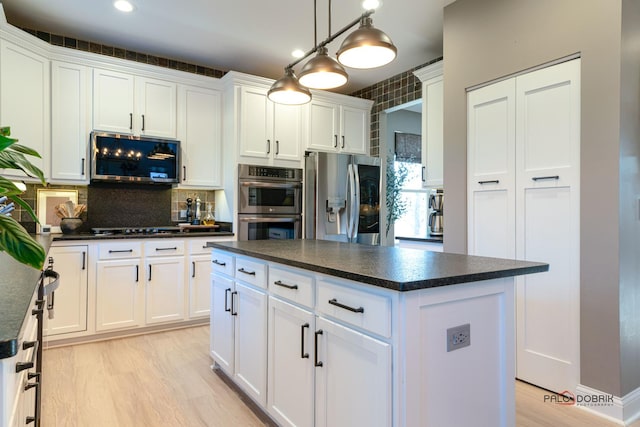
(622, 411)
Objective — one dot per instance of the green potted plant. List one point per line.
(396, 177)
(14, 239)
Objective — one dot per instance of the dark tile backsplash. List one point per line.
(118, 205)
(88, 46)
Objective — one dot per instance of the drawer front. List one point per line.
(251, 272)
(368, 311)
(291, 284)
(199, 246)
(122, 249)
(222, 262)
(164, 247)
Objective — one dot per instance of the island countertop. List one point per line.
(393, 268)
(18, 282)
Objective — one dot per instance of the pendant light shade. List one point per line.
(288, 90)
(323, 72)
(367, 47)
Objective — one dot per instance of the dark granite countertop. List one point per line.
(393, 268)
(18, 282)
(91, 236)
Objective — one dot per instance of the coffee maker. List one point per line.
(436, 207)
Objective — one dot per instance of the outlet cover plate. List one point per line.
(458, 337)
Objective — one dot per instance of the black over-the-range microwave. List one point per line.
(134, 159)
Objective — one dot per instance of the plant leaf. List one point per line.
(26, 207)
(8, 188)
(25, 150)
(15, 240)
(5, 131)
(15, 160)
(6, 142)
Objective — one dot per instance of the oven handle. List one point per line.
(262, 184)
(268, 219)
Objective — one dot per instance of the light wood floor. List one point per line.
(164, 379)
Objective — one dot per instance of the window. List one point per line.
(408, 154)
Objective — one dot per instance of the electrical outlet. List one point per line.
(458, 337)
(182, 214)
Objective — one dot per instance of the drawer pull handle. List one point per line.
(303, 355)
(541, 178)
(315, 353)
(346, 307)
(193, 269)
(284, 285)
(30, 385)
(491, 181)
(250, 273)
(221, 264)
(29, 344)
(174, 248)
(423, 170)
(111, 251)
(226, 292)
(149, 272)
(21, 366)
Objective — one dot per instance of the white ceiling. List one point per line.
(251, 36)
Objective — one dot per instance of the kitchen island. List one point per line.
(334, 334)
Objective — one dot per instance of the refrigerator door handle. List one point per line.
(353, 202)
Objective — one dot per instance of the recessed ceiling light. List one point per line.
(298, 53)
(123, 5)
(371, 4)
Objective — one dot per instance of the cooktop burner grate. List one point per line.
(107, 231)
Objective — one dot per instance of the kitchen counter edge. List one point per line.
(393, 268)
(18, 283)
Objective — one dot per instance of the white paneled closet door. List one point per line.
(548, 225)
(491, 170)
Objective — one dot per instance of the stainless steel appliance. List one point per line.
(436, 215)
(269, 203)
(342, 198)
(134, 159)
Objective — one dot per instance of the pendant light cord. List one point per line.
(329, 35)
(315, 24)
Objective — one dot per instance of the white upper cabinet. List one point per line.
(200, 134)
(125, 103)
(268, 131)
(25, 101)
(432, 124)
(70, 112)
(335, 126)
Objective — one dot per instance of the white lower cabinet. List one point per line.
(199, 289)
(250, 341)
(69, 301)
(353, 377)
(239, 322)
(165, 292)
(164, 289)
(119, 294)
(304, 369)
(222, 322)
(290, 399)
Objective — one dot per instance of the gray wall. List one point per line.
(629, 199)
(488, 39)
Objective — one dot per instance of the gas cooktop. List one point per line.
(109, 231)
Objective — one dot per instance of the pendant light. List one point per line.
(288, 90)
(322, 72)
(366, 47)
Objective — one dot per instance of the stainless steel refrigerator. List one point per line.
(342, 198)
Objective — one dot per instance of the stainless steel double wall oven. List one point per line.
(269, 203)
